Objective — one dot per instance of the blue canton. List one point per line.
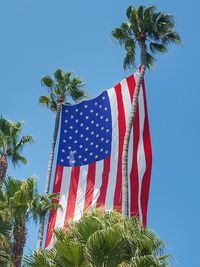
(86, 132)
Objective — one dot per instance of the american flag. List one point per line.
(89, 163)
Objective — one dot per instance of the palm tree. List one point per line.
(61, 87)
(64, 85)
(11, 144)
(152, 32)
(41, 205)
(15, 204)
(101, 239)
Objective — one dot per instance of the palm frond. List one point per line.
(47, 81)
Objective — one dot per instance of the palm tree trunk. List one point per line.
(3, 167)
(50, 164)
(125, 195)
(19, 240)
(55, 134)
(40, 233)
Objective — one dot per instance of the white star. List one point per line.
(81, 124)
(76, 120)
(92, 133)
(71, 116)
(103, 97)
(81, 146)
(81, 113)
(69, 147)
(81, 135)
(66, 110)
(92, 122)
(70, 137)
(97, 125)
(85, 159)
(107, 119)
(101, 149)
(107, 141)
(63, 150)
(68, 157)
(76, 109)
(95, 103)
(87, 117)
(91, 111)
(91, 143)
(85, 106)
(91, 153)
(97, 146)
(102, 139)
(86, 149)
(100, 106)
(101, 117)
(79, 156)
(87, 128)
(71, 127)
(62, 160)
(66, 121)
(106, 152)
(76, 131)
(64, 141)
(107, 130)
(102, 128)
(75, 141)
(96, 156)
(97, 135)
(86, 139)
(65, 131)
(97, 114)
(105, 108)
(74, 151)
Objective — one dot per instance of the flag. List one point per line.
(89, 163)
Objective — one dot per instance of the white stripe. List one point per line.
(64, 190)
(114, 151)
(141, 161)
(81, 191)
(98, 181)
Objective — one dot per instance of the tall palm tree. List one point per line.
(15, 203)
(41, 205)
(61, 87)
(101, 239)
(151, 32)
(64, 85)
(11, 144)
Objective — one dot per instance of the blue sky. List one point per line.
(39, 36)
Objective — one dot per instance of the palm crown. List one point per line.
(148, 28)
(63, 85)
(11, 141)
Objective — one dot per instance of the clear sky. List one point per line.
(38, 36)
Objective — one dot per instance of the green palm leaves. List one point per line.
(11, 141)
(11, 144)
(145, 24)
(102, 239)
(62, 86)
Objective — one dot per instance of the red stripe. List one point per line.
(148, 157)
(53, 213)
(90, 185)
(121, 134)
(103, 189)
(72, 195)
(131, 85)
